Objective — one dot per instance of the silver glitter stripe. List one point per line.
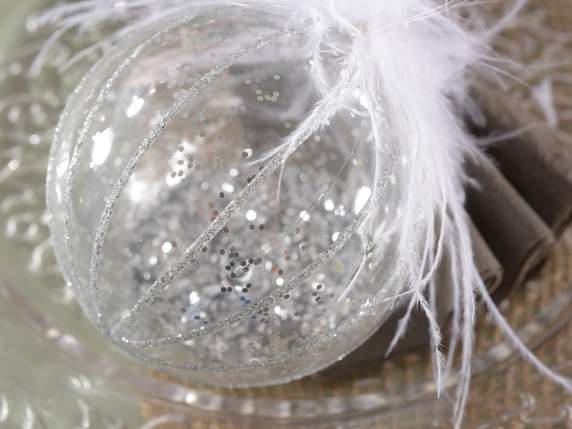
(319, 116)
(313, 206)
(322, 259)
(102, 95)
(148, 142)
(298, 221)
(65, 260)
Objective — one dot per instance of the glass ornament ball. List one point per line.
(185, 238)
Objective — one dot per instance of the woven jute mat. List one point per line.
(507, 395)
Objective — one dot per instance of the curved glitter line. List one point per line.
(268, 246)
(312, 208)
(323, 258)
(70, 182)
(147, 143)
(319, 116)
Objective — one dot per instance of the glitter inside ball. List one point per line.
(185, 237)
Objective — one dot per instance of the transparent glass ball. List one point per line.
(183, 240)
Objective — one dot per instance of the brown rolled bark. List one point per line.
(517, 236)
(489, 267)
(535, 159)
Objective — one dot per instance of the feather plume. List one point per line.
(410, 62)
